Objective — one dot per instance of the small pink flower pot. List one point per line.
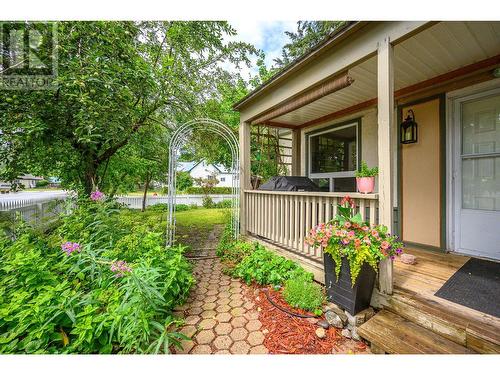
(366, 185)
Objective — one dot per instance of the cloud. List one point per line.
(268, 36)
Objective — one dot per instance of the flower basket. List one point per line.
(353, 298)
(352, 251)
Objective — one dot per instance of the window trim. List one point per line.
(331, 175)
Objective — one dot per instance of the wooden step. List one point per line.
(395, 335)
(466, 327)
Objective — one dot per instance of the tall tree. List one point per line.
(308, 34)
(115, 80)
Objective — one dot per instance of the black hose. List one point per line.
(291, 313)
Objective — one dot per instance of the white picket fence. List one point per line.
(136, 201)
(37, 209)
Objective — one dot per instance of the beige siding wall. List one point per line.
(420, 178)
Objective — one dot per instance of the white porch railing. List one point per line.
(285, 218)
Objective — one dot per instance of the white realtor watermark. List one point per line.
(28, 55)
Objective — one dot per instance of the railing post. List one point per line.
(245, 172)
(296, 152)
(385, 85)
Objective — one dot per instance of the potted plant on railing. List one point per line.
(365, 178)
(352, 252)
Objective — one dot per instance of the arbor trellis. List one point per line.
(179, 137)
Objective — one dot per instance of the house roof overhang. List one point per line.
(335, 37)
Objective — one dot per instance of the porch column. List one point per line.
(245, 172)
(296, 152)
(385, 84)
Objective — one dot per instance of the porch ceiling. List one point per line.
(439, 49)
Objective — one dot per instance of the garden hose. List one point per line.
(291, 313)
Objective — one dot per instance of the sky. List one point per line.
(268, 36)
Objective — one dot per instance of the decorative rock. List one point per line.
(346, 333)
(265, 331)
(354, 334)
(323, 324)
(337, 310)
(408, 258)
(334, 319)
(256, 292)
(321, 333)
(357, 319)
(312, 320)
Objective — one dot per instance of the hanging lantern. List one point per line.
(408, 129)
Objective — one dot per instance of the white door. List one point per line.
(476, 174)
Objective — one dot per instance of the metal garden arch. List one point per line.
(179, 137)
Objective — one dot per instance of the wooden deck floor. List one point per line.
(417, 284)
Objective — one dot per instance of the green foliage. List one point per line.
(214, 190)
(307, 36)
(42, 183)
(117, 82)
(232, 252)
(364, 171)
(266, 268)
(208, 202)
(163, 207)
(51, 302)
(225, 203)
(304, 294)
(184, 181)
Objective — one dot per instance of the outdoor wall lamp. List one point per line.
(408, 129)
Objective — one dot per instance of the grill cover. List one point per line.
(289, 183)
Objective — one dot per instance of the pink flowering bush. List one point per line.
(120, 268)
(97, 196)
(70, 247)
(350, 237)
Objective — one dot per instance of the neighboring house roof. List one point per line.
(337, 35)
(188, 166)
(28, 176)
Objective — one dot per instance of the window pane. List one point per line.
(323, 183)
(346, 184)
(481, 183)
(481, 126)
(334, 151)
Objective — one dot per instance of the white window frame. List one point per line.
(332, 175)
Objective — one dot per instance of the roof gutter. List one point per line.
(323, 46)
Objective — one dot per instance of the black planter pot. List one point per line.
(352, 298)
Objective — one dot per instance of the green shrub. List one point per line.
(214, 190)
(266, 268)
(183, 180)
(208, 202)
(41, 183)
(226, 203)
(304, 294)
(52, 302)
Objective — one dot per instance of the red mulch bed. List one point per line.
(291, 335)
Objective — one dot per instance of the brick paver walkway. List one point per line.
(219, 318)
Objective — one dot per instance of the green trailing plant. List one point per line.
(304, 294)
(364, 171)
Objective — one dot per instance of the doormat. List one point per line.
(475, 285)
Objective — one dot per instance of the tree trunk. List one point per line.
(144, 197)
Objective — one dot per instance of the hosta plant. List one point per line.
(348, 236)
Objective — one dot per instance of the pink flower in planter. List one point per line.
(96, 195)
(345, 241)
(357, 242)
(351, 235)
(347, 224)
(385, 245)
(365, 228)
(367, 241)
(374, 233)
(70, 247)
